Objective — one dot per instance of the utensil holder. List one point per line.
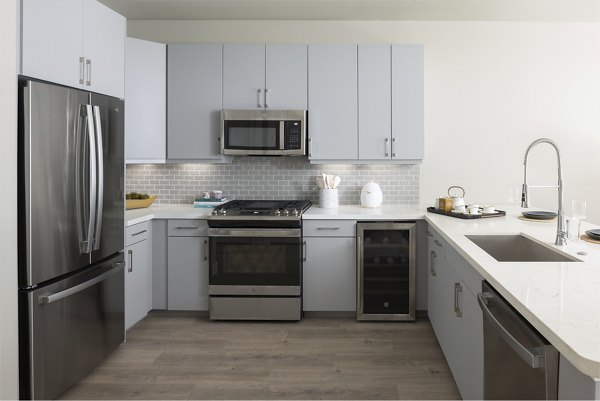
(328, 198)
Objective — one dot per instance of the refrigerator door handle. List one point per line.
(100, 176)
(86, 235)
(57, 296)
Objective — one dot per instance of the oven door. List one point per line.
(253, 137)
(246, 261)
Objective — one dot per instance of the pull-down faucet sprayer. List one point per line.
(561, 235)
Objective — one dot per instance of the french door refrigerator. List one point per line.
(71, 234)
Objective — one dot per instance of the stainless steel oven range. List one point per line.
(256, 260)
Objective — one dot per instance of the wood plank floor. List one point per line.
(168, 357)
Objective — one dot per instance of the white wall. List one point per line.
(490, 89)
(8, 201)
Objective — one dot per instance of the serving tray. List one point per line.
(497, 213)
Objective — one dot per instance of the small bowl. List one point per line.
(139, 203)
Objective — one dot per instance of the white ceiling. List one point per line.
(471, 10)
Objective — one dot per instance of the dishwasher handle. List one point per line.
(531, 357)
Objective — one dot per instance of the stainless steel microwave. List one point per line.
(263, 132)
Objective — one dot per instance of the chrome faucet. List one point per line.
(561, 234)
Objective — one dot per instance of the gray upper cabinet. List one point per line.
(79, 43)
(408, 101)
(333, 102)
(286, 78)
(194, 93)
(243, 76)
(374, 100)
(146, 93)
(262, 77)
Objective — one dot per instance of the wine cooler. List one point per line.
(386, 255)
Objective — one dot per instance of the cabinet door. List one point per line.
(407, 101)
(332, 99)
(374, 100)
(329, 274)
(286, 77)
(136, 282)
(146, 93)
(187, 273)
(104, 47)
(243, 76)
(194, 101)
(52, 41)
(467, 369)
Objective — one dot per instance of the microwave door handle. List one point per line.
(282, 135)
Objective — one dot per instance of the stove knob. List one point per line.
(214, 212)
(277, 212)
(286, 212)
(223, 212)
(295, 212)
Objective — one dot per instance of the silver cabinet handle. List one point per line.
(267, 98)
(328, 228)
(438, 243)
(387, 147)
(138, 233)
(259, 103)
(457, 291)
(88, 64)
(100, 175)
(48, 299)
(393, 147)
(304, 251)
(130, 268)
(432, 262)
(186, 228)
(309, 147)
(533, 360)
(81, 70)
(429, 234)
(205, 249)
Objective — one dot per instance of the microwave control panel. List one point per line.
(292, 135)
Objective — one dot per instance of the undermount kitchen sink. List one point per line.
(518, 248)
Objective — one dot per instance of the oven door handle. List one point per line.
(254, 232)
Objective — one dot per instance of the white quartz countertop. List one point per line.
(135, 216)
(400, 212)
(560, 299)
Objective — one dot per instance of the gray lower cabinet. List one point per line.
(329, 272)
(137, 273)
(187, 273)
(455, 316)
(194, 101)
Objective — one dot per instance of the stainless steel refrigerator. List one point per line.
(71, 234)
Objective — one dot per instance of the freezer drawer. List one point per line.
(67, 328)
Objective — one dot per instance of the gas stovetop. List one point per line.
(261, 209)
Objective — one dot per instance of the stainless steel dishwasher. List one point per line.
(518, 362)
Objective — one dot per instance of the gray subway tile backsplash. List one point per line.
(271, 178)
